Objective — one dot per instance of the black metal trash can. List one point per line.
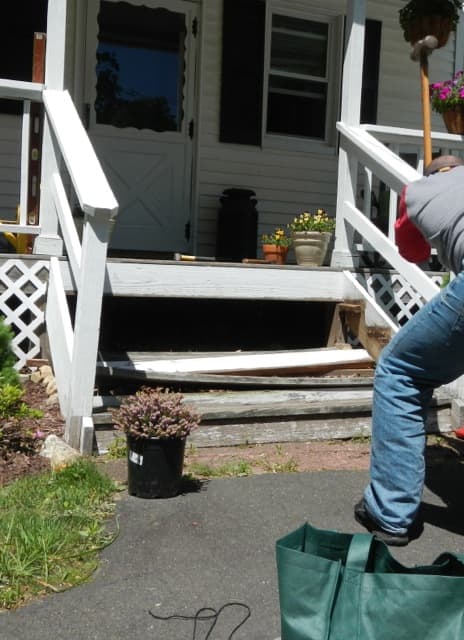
(237, 225)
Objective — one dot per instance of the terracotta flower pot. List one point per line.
(275, 254)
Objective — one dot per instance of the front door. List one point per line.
(139, 99)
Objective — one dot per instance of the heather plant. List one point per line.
(155, 413)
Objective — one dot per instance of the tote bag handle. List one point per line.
(358, 552)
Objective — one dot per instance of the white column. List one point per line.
(49, 242)
(343, 254)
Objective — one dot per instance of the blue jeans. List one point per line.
(427, 351)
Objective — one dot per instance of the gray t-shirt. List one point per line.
(435, 205)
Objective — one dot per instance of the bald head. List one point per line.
(442, 163)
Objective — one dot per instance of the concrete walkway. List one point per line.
(215, 546)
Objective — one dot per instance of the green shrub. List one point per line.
(8, 373)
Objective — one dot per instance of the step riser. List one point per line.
(236, 433)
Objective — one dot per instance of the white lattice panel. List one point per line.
(22, 297)
(394, 294)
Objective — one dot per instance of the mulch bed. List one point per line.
(17, 465)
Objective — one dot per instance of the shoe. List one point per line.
(362, 516)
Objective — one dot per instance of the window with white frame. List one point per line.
(281, 75)
(300, 78)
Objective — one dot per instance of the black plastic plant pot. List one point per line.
(155, 466)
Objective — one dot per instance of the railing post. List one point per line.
(344, 253)
(49, 242)
(95, 238)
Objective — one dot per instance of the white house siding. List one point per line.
(287, 182)
(10, 153)
(10, 136)
(399, 81)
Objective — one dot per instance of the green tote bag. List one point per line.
(341, 586)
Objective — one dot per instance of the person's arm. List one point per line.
(411, 244)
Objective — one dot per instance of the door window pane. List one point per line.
(297, 82)
(140, 67)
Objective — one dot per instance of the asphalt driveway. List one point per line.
(214, 546)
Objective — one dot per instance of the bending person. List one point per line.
(427, 352)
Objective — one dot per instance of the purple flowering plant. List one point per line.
(155, 413)
(447, 94)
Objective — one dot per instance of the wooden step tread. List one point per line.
(247, 406)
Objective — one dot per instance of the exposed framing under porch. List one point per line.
(23, 282)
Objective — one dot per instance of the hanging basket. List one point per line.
(454, 119)
(422, 26)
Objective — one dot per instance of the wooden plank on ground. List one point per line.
(306, 360)
(213, 380)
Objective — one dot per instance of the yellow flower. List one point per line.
(277, 237)
(319, 221)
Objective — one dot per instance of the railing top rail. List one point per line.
(19, 90)
(90, 183)
(413, 136)
(374, 155)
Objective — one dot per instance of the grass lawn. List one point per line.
(52, 528)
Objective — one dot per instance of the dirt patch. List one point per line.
(287, 456)
(332, 455)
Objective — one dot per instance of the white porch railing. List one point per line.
(370, 159)
(74, 353)
(404, 143)
(26, 92)
(69, 153)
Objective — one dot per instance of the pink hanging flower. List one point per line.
(448, 93)
(445, 93)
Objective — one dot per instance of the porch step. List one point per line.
(230, 418)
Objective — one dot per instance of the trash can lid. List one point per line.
(234, 192)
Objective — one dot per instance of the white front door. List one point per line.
(139, 95)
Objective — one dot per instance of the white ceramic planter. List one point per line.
(310, 247)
